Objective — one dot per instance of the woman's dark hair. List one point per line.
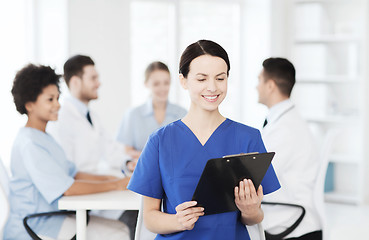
(29, 83)
(282, 72)
(74, 66)
(153, 67)
(199, 48)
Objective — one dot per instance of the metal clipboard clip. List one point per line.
(240, 154)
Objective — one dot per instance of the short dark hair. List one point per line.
(74, 66)
(282, 72)
(29, 83)
(201, 47)
(153, 67)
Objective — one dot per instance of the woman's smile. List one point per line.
(211, 98)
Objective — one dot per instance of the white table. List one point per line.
(114, 200)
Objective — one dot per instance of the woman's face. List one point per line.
(159, 85)
(46, 106)
(206, 82)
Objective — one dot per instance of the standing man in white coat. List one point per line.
(79, 130)
(296, 160)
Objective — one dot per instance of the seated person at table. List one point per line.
(138, 123)
(79, 130)
(41, 173)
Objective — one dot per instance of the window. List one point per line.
(14, 16)
(32, 31)
(152, 39)
(161, 29)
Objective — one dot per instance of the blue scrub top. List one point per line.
(41, 174)
(171, 164)
(138, 123)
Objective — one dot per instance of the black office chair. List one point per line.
(33, 235)
(283, 234)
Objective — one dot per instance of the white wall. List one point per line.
(256, 35)
(365, 103)
(279, 31)
(33, 31)
(100, 29)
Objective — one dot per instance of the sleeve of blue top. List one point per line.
(270, 181)
(125, 133)
(72, 169)
(146, 179)
(46, 174)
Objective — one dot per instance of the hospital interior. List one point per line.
(327, 41)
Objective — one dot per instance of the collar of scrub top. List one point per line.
(278, 110)
(81, 107)
(149, 109)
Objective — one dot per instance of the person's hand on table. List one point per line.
(111, 178)
(122, 183)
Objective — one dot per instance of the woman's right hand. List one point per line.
(187, 215)
(131, 165)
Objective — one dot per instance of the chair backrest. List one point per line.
(142, 233)
(256, 231)
(319, 187)
(4, 192)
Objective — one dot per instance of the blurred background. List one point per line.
(327, 40)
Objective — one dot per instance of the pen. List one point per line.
(124, 173)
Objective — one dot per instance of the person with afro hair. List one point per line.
(41, 173)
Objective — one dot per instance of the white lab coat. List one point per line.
(296, 163)
(91, 148)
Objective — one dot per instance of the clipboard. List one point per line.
(215, 189)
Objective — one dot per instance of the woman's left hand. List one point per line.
(247, 199)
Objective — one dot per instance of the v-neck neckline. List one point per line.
(211, 136)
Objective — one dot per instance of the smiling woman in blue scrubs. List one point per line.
(175, 155)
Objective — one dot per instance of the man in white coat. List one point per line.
(296, 160)
(80, 132)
